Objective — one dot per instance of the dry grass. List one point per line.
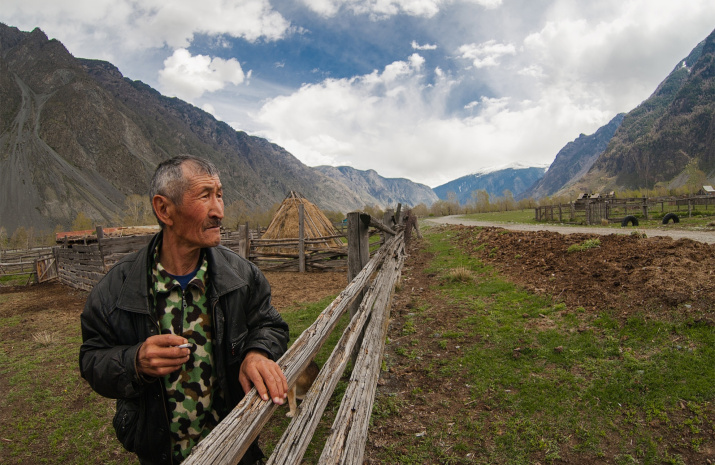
(45, 338)
(460, 274)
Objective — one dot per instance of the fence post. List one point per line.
(247, 237)
(387, 220)
(301, 238)
(398, 214)
(358, 250)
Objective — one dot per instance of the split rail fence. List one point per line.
(367, 297)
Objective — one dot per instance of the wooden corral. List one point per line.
(300, 237)
(596, 209)
(17, 262)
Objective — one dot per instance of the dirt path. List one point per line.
(700, 236)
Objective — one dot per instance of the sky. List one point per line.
(429, 90)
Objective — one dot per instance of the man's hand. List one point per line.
(265, 374)
(159, 356)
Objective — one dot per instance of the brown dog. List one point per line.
(301, 386)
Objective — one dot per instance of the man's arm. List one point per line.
(267, 341)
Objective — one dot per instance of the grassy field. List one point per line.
(545, 383)
(492, 374)
(513, 216)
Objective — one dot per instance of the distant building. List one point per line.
(706, 190)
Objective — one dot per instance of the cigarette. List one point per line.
(188, 345)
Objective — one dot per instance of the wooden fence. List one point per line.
(594, 211)
(369, 293)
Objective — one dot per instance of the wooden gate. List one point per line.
(46, 269)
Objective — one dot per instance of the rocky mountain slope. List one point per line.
(515, 179)
(77, 136)
(376, 190)
(573, 161)
(672, 128)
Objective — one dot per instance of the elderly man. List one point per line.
(178, 331)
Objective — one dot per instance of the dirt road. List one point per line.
(707, 236)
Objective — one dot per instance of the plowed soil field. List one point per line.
(628, 272)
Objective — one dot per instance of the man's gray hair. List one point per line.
(169, 180)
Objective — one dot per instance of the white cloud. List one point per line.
(385, 8)
(618, 57)
(486, 54)
(188, 77)
(417, 46)
(105, 29)
(391, 121)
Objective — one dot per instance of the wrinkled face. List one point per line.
(197, 220)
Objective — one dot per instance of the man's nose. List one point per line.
(217, 208)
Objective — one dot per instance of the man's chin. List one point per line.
(213, 237)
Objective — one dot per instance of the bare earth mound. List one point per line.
(628, 272)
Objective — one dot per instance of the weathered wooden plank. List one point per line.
(346, 444)
(375, 223)
(227, 443)
(296, 438)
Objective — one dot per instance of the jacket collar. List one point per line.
(134, 295)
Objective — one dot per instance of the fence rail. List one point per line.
(371, 289)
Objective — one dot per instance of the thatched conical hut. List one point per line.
(317, 228)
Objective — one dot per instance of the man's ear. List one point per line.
(164, 209)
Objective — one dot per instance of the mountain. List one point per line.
(573, 161)
(77, 136)
(514, 179)
(380, 191)
(671, 129)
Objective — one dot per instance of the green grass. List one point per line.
(16, 279)
(636, 389)
(585, 245)
(46, 405)
(513, 216)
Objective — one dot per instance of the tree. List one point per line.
(235, 214)
(3, 239)
(508, 200)
(19, 239)
(481, 200)
(374, 211)
(334, 216)
(420, 210)
(137, 210)
(452, 203)
(696, 178)
(82, 222)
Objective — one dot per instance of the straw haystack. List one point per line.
(318, 231)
